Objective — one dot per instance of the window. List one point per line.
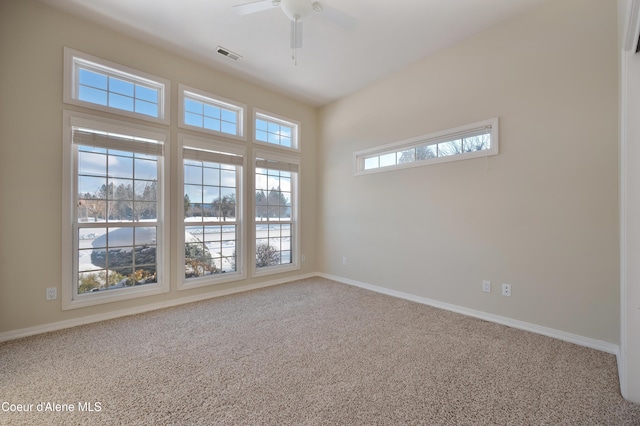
(211, 212)
(472, 141)
(115, 195)
(211, 114)
(276, 224)
(98, 84)
(278, 131)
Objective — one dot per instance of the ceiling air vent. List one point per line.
(229, 54)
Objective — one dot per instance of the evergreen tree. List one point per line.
(261, 204)
(187, 201)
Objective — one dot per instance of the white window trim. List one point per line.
(268, 116)
(295, 216)
(216, 100)
(71, 57)
(70, 298)
(241, 270)
(432, 138)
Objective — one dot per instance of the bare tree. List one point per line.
(266, 255)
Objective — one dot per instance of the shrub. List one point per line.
(267, 255)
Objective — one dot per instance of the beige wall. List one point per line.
(542, 215)
(32, 37)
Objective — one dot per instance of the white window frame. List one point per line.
(218, 101)
(70, 297)
(73, 60)
(294, 161)
(211, 145)
(281, 120)
(489, 126)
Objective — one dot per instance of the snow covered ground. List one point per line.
(219, 240)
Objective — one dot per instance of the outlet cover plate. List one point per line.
(52, 293)
(506, 290)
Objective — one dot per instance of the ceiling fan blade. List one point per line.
(253, 7)
(296, 34)
(338, 17)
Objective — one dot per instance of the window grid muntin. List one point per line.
(221, 243)
(228, 117)
(367, 161)
(74, 60)
(141, 102)
(197, 263)
(110, 189)
(421, 152)
(274, 230)
(275, 235)
(143, 268)
(276, 131)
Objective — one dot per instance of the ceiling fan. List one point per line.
(297, 11)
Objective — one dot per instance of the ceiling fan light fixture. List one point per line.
(296, 10)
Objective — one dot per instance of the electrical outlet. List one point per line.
(302, 258)
(506, 289)
(52, 293)
(344, 261)
(486, 286)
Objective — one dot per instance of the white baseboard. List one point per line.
(60, 325)
(550, 332)
(545, 331)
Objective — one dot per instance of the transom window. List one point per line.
(276, 131)
(99, 84)
(100, 88)
(211, 212)
(478, 139)
(205, 112)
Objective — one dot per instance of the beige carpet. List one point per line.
(313, 352)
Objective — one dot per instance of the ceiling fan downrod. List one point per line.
(297, 11)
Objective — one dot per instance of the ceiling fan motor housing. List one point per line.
(296, 10)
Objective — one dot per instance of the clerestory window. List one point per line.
(465, 142)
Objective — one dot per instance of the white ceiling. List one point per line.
(334, 61)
